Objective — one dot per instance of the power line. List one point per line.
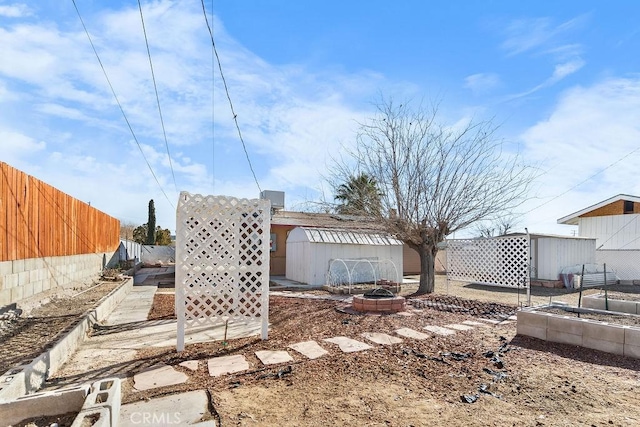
(582, 182)
(213, 114)
(155, 87)
(120, 105)
(226, 88)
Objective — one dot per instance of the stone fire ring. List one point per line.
(378, 305)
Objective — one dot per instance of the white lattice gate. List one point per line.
(500, 261)
(222, 261)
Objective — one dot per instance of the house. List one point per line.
(615, 224)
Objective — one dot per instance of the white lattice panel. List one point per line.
(502, 261)
(222, 261)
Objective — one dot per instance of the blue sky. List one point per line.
(562, 79)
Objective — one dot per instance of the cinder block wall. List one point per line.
(25, 278)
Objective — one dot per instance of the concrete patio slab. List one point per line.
(411, 333)
(271, 357)
(310, 349)
(380, 338)
(459, 327)
(348, 345)
(490, 321)
(192, 365)
(227, 365)
(439, 330)
(182, 409)
(158, 376)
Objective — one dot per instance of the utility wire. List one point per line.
(120, 105)
(581, 182)
(155, 87)
(213, 114)
(226, 88)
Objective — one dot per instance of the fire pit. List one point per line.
(379, 300)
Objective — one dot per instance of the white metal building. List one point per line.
(310, 251)
(550, 254)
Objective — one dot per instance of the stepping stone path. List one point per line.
(163, 375)
(310, 349)
(410, 333)
(158, 376)
(269, 357)
(380, 338)
(459, 327)
(190, 364)
(348, 345)
(439, 330)
(227, 365)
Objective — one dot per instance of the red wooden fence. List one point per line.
(38, 220)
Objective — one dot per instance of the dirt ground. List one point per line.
(27, 335)
(515, 380)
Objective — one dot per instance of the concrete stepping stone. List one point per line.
(348, 345)
(439, 330)
(490, 321)
(410, 333)
(182, 409)
(380, 338)
(192, 365)
(459, 327)
(227, 365)
(270, 357)
(158, 376)
(474, 323)
(311, 349)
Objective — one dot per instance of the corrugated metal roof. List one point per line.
(310, 219)
(341, 236)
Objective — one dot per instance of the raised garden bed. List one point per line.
(618, 301)
(615, 333)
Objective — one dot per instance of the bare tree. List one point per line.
(499, 226)
(434, 179)
(126, 229)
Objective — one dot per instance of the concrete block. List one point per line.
(5, 297)
(632, 351)
(43, 404)
(17, 293)
(566, 324)
(23, 278)
(37, 287)
(94, 417)
(28, 290)
(105, 394)
(533, 319)
(622, 306)
(592, 302)
(29, 264)
(10, 281)
(603, 345)
(18, 266)
(531, 331)
(564, 337)
(6, 268)
(632, 336)
(603, 332)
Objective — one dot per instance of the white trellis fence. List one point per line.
(499, 261)
(222, 261)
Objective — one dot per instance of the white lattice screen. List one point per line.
(222, 261)
(501, 261)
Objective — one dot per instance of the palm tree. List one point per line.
(360, 195)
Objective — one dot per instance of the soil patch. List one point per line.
(24, 338)
(624, 296)
(163, 307)
(617, 319)
(511, 380)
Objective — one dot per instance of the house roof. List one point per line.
(342, 236)
(572, 219)
(309, 219)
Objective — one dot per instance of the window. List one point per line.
(628, 207)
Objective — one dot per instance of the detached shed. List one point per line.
(550, 254)
(310, 251)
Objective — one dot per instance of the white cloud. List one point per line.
(17, 10)
(590, 129)
(482, 82)
(532, 34)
